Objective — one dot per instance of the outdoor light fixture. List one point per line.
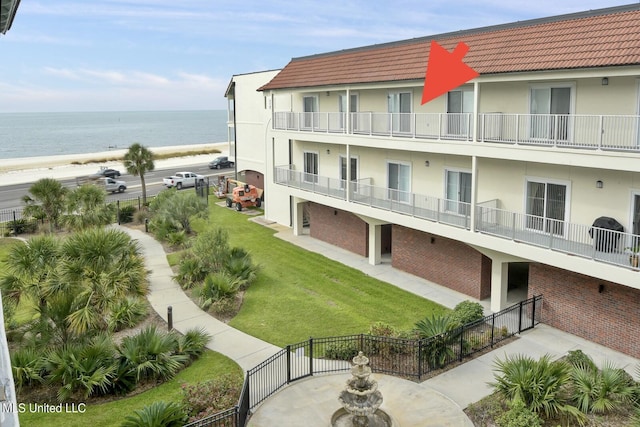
(605, 81)
(328, 151)
(601, 288)
(599, 184)
(426, 163)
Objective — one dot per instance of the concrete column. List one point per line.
(375, 244)
(499, 284)
(298, 207)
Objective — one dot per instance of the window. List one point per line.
(343, 170)
(310, 167)
(458, 189)
(310, 108)
(400, 109)
(550, 108)
(459, 104)
(546, 206)
(399, 181)
(353, 108)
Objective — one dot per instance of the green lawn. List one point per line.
(209, 365)
(300, 294)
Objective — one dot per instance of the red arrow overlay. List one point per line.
(445, 71)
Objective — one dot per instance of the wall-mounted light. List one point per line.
(328, 151)
(605, 81)
(328, 93)
(426, 163)
(599, 184)
(601, 288)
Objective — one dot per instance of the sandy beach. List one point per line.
(29, 169)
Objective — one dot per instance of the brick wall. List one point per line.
(573, 303)
(339, 228)
(443, 261)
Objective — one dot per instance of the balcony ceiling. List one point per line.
(8, 9)
(598, 38)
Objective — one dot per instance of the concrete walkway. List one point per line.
(244, 349)
(454, 389)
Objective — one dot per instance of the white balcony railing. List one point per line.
(576, 131)
(569, 130)
(413, 125)
(594, 243)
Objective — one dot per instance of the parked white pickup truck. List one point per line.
(183, 179)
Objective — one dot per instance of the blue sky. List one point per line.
(119, 55)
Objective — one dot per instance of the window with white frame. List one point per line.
(399, 181)
(310, 111)
(310, 167)
(343, 170)
(345, 109)
(550, 108)
(546, 205)
(459, 105)
(458, 191)
(400, 110)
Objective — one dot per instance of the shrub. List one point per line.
(151, 354)
(157, 414)
(579, 358)
(217, 286)
(467, 312)
(127, 313)
(191, 271)
(539, 384)
(140, 216)
(193, 342)
(20, 226)
(518, 415)
(177, 239)
(601, 391)
(126, 213)
(439, 333)
(26, 365)
(343, 350)
(212, 396)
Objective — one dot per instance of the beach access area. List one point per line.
(30, 169)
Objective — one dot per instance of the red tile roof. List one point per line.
(605, 37)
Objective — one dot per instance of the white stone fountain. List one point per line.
(361, 400)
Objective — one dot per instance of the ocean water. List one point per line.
(47, 134)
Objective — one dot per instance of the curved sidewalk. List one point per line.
(244, 349)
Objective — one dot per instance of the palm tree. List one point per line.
(47, 201)
(86, 207)
(138, 161)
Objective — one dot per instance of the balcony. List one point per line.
(602, 132)
(593, 243)
(408, 125)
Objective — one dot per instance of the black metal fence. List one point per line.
(409, 358)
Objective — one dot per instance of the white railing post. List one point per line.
(601, 132)
(513, 226)
(517, 128)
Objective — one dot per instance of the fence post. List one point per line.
(533, 312)
(461, 343)
(420, 359)
(520, 317)
(118, 211)
(311, 356)
(15, 224)
(493, 327)
(288, 364)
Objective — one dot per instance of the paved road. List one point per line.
(11, 195)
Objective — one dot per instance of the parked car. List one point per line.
(220, 162)
(108, 173)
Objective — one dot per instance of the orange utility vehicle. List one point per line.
(244, 196)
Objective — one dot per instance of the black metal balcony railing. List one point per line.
(604, 132)
(598, 244)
